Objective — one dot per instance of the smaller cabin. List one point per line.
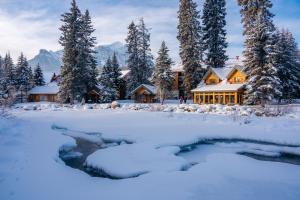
(47, 93)
(144, 94)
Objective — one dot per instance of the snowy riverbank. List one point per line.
(30, 166)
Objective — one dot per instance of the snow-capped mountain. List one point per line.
(51, 61)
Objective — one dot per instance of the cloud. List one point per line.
(31, 25)
(27, 32)
(112, 25)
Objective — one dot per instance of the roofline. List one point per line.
(142, 85)
(210, 69)
(235, 68)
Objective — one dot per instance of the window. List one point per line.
(43, 98)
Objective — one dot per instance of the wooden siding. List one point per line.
(143, 96)
(212, 78)
(43, 97)
(237, 77)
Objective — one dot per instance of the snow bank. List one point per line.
(235, 111)
(127, 161)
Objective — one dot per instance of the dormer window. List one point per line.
(237, 80)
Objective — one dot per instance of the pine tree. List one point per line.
(162, 76)
(263, 85)
(23, 76)
(214, 33)
(250, 10)
(10, 72)
(116, 73)
(108, 90)
(286, 60)
(191, 46)
(38, 76)
(87, 53)
(72, 86)
(145, 56)
(2, 78)
(133, 57)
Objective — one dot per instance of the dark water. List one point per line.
(283, 157)
(75, 157)
(84, 148)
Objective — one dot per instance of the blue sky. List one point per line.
(33, 24)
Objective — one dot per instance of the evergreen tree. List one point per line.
(145, 56)
(191, 47)
(10, 73)
(87, 53)
(108, 90)
(263, 85)
(249, 12)
(23, 75)
(73, 85)
(38, 76)
(116, 73)
(286, 60)
(162, 76)
(214, 33)
(133, 57)
(139, 55)
(2, 77)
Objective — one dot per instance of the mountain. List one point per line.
(51, 61)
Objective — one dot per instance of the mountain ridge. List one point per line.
(51, 61)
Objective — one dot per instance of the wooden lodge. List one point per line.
(47, 93)
(221, 86)
(144, 94)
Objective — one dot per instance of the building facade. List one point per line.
(221, 86)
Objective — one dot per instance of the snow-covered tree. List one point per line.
(87, 51)
(214, 33)
(286, 60)
(38, 76)
(24, 76)
(163, 77)
(139, 54)
(10, 72)
(145, 56)
(191, 46)
(2, 77)
(72, 86)
(263, 85)
(107, 84)
(133, 56)
(116, 73)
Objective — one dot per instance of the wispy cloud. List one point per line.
(27, 32)
(33, 24)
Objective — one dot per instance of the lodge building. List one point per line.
(221, 86)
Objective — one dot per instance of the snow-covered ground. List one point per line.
(30, 167)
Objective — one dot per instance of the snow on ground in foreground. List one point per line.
(31, 169)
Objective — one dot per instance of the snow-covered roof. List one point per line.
(124, 73)
(51, 88)
(177, 68)
(149, 88)
(222, 72)
(223, 86)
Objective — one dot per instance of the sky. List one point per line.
(31, 25)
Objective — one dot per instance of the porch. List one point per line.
(225, 98)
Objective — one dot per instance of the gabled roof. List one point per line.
(236, 67)
(220, 72)
(124, 73)
(51, 88)
(150, 88)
